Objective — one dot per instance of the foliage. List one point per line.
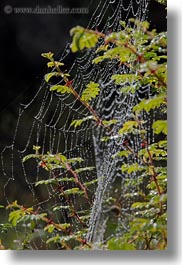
(90, 92)
(82, 38)
(164, 2)
(143, 52)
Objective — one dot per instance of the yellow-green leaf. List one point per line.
(92, 90)
(61, 89)
(160, 126)
(48, 76)
(48, 55)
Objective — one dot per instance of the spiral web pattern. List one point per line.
(46, 121)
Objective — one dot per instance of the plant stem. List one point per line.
(130, 47)
(77, 96)
(75, 214)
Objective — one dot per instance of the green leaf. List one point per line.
(49, 228)
(91, 91)
(121, 53)
(55, 239)
(130, 168)
(98, 59)
(123, 78)
(79, 170)
(129, 89)
(90, 182)
(163, 144)
(60, 239)
(61, 89)
(15, 216)
(62, 207)
(55, 63)
(65, 226)
(71, 191)
(53, 181)
(110, 122)
(118, 244)
(124, 153)
(139, 205)
(150, 55)
(85, 217)
(148, 104)
(29, 218)
(77, 123)
(160, 126)
(75, 159)
(123, 23)
(36, 148)
(83, 38)
(29, 157)
(102, 48)
(4, 228)
(48, 55)
(62, 158)
(128, 127)
(48, 76)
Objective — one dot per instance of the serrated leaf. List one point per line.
(139, 205)
(123, 78)
(72, 191)
(124, 153)
(77, 123)
(61, 89)
(128, 127)
(102, 48)
(54, 181)
(98, 59)
(62, 207)
(118, 244)
(15, 216)
(130, 168)
(91, 91)
(29, 157)
(82, 39)
(148, 104)
(90, 182)
(163, 144)
(48, 76)
(55, 63)
(75, 159)
(129, 89)
(160, 126)
(121, 53)
(110, 122)
(48, 55)
(65, 226)
(123, 23)
(79, 170)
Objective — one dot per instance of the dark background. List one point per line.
(25, 36)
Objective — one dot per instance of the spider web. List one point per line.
(46, 121)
